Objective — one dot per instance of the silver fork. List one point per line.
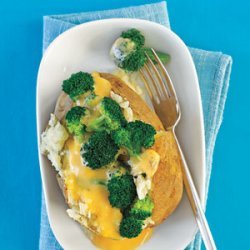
(163, 96)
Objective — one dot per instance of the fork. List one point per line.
(164, 99)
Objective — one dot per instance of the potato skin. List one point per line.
(167, 181)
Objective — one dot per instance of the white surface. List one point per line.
(86, 47)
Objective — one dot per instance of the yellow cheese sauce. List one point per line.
(81, 185)
(102, 86)
(123, 244)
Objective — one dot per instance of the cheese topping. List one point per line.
(86, 195)
(123, 244)
(82, 184)
(101, 85)
(102, 88)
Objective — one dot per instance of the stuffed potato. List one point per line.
(118, 168)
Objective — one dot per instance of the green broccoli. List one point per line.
(78, 84)
(128, 51)
(74, 123)
(133, 61)
(111, 117)
(99, 182)
(122, 190)
(135, 136)
(134, 216)
(135, 36)
(165, 58)
(92, 100)
(99, 151)
(142, 209)
(130, 227)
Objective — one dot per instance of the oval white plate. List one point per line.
(86, 47)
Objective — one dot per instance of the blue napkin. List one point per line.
(213, 70)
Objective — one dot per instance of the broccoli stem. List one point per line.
(99, 182)
(96, 124)
(165, 58)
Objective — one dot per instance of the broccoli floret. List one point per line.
(134, 216)
(134, 35)
(117, 170)
(130, 227)
(92, 100)
(111, 117)
(128, 51)
(135, 136)
(133, 61)
(73, 121)
(142, 209)
(122, 190)
(78, 84)
(127, 56)
(100, 150)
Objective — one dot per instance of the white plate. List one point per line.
(86, 47)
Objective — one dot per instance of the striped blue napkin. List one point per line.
(213, 70)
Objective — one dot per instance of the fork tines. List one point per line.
(157, 79)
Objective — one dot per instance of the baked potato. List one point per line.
(166, 183)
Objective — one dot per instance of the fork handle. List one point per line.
(195, 203)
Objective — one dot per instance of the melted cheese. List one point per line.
(124, 244)
(81, 185)
(102, 86)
